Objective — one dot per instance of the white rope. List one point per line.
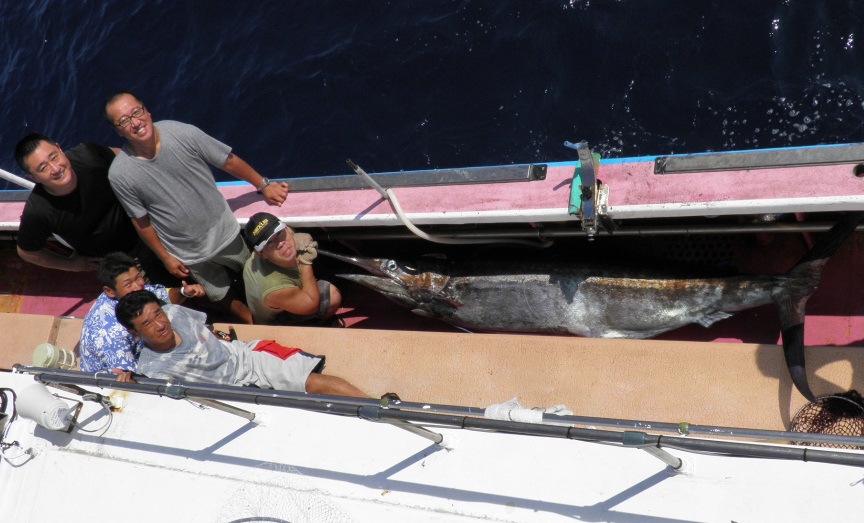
(512, 411)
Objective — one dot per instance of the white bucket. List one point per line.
(54, 357)
(38, 404)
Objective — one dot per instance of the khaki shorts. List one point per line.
(216, 274)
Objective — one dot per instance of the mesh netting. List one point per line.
(838, 414)
(274, 493)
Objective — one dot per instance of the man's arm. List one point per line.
(148, 234)
(296, 300)
(274, 193)
(46, 258)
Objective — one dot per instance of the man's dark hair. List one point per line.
(110, 100)
(132, 305)
(113, 265)
(26, 146)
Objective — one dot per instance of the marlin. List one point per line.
(599, 302)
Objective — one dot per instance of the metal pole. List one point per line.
(674, 462)
(323, 403)
(546, 232)
(463, 417)
(17, 180)
(224, 407)
(373, 414)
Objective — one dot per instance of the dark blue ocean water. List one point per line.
(296, 87)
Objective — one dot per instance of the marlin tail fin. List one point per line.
(796, 287)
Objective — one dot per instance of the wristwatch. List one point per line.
(264, 183)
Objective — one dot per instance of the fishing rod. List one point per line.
(550, 425)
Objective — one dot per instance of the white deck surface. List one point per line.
(166, 460)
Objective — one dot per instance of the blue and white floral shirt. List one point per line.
(104, 343)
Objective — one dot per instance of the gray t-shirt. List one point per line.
(177, 189)
(200, 356)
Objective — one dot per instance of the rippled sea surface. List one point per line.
(296, 87)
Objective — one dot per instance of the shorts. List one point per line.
(216, 274)
(290, 374)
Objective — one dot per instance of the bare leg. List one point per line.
(240, 311)
(234, 306)
(332, 385)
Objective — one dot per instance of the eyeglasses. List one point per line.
(125, 121)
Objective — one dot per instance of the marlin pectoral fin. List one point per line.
(710, 319)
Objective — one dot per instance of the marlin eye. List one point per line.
(392, 265)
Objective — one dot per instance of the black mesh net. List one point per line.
(837, 414)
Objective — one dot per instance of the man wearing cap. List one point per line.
(280, 285)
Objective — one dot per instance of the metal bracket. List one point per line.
(637, 439)
(589, 197)
(373, 414)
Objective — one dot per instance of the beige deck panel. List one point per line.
(728, 384)
(21, 334)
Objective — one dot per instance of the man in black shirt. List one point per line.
(71, 202)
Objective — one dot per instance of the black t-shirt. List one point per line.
(90, 218)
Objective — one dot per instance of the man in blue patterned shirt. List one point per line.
(105, 344)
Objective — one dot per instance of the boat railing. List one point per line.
(17, 180)
(421, 415)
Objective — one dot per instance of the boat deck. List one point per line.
(725, 384)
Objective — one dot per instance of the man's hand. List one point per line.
(309, 254)
(175, 267)
(123, 375)
(192, 291)
(306, 248)
(302, 241)
(275, 193)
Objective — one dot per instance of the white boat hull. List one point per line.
(164, 459)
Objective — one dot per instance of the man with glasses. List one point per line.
(71, 207)
(162, 177)
(105, 345)
(280, 285)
